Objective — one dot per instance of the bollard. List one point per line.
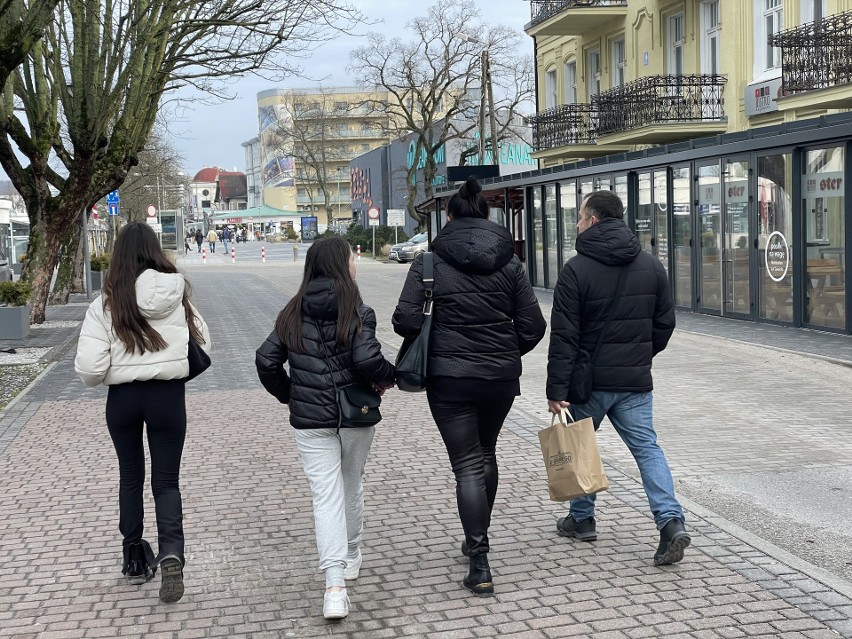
(263, 254)
(233, 256)
(203, 255)
(359, 251)
(295, 253)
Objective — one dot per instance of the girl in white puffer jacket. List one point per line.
(135, 340)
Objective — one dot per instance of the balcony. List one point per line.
(816, 64)
(568, 130)
(660, 109)
(573, 17)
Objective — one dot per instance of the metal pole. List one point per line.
(495, 151)
(482, 62)
(87, 259)
(374, 242)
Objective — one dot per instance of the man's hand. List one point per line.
(556, 407)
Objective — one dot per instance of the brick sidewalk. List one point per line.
(250, 547)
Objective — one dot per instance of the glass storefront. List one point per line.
(736, 265)
(775, 237)
(710, 237)
(644, 213)
(682, 235)
(551, 236)
(537, 236)
(661, 211)
(823, 208)
(622, 191)
(568, 205)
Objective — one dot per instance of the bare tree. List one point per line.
(81, 107)
(22, 24)
(430, 80)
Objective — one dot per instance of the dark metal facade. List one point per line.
(816, 55)
(541, 10)
(563, 125)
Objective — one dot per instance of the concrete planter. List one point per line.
(14, 322)
(98, 280)
(16, 268)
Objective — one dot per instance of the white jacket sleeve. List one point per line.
(93, 348)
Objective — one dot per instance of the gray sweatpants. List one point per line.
(334, 466)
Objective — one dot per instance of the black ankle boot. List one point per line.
(136, 569)
(478, 579)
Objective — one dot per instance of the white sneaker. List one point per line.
(335, 605)
(353, 568)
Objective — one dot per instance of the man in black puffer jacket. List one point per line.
(641, 322)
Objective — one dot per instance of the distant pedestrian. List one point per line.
(199, 239)
(641, 322)
(186, 241)
(211, 240)
(245, 235)
(226, 237)
(485, 318)
(134, 340)
(326, 326)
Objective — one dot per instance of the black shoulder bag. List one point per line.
(357, 404)
(412, 361)
(583, 373)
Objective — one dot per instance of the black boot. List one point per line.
(136, 568)
(673, 541)
(478, 579)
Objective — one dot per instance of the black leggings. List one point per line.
(161, 405)
(469, 426)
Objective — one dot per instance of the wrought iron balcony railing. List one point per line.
(660, 99)
(564, 125)
(541, 10)
(816, 55)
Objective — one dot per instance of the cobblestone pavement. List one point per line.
(726, 412)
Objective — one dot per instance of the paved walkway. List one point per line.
(251, 555)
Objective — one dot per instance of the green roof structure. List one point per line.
(256, 213)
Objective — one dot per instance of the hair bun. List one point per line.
(470, 187)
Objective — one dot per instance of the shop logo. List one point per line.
(560, 458)
(736, 191)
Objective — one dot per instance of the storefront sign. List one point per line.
(777, 256)
(643, 225)
(234, 220)
(761, 97)
(823, 184)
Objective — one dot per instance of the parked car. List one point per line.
(407, 251)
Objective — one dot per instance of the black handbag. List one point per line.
(412, 361)
(357, 403)
(583, 372)
(199, 361)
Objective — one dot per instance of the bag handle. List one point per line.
(330, 370)
(609, 313)
(562, 412)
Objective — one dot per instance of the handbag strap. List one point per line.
(428, 277)
(609, 312)
(330, 370)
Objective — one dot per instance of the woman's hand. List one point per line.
(380, 389)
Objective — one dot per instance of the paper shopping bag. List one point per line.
(571, 457)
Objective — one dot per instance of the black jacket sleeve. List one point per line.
(408, 316)
(564, 334)
(367, 352)
(664, 315)
(528, 320)
(269, 360)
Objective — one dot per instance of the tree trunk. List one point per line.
(78, 284)
(65, 276)
(42, 256)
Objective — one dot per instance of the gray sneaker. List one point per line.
(582, 530)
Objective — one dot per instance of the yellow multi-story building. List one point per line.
(725, 128)
(307, 138)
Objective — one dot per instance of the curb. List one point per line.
(20, 396)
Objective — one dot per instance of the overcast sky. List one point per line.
(212, 135)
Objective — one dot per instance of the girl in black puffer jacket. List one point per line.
(485, 318)
(327, 330)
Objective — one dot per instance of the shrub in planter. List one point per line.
(100, 263)
(15, 316)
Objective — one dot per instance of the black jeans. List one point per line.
(161, 405)
(469, 420)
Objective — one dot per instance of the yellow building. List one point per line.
(620, 75)
(307, 138)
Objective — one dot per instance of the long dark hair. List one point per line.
(468, 202)
(136, 250)
(328, 257)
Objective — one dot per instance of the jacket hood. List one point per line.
(158, 294)
(320, 299)
(610, 242)
(474, 245)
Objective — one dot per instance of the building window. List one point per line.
(619, 63)
(676, 43)
(812, 10)
(593, 72)
(570, 72)
(773, 22)
(550, 89)
(711, 32)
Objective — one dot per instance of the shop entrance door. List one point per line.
(724, 232)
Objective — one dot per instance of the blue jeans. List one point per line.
(632, 415)
(225, 247)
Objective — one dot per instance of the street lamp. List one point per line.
(339, 173)
(487, 91)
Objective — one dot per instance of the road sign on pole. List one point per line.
(373, 216)
(112, 209)
(151, 211)
(113, 197)
(396, 217)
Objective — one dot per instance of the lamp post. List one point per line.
(339, 172)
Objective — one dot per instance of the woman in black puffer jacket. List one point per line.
(485, 318)
(326, 326)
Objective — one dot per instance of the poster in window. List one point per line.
(819, 215)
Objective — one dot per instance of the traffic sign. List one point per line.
(373, 215)
(151, 210)
(112, 209)
(396, 217)
(112, 197)
(156, 227)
